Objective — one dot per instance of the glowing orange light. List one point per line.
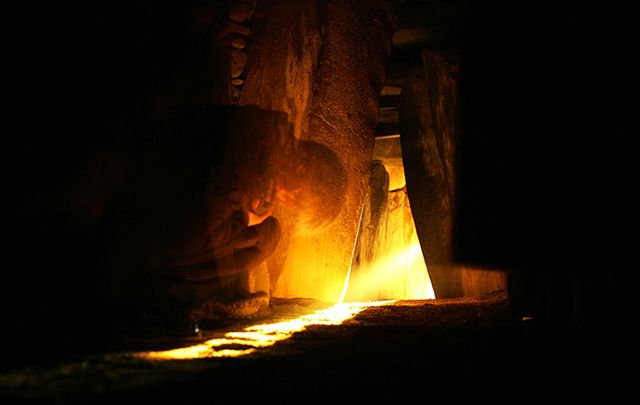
(401, 274)
(260, 336)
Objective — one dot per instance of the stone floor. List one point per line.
(466, 349)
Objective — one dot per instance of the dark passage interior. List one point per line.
(174, 171)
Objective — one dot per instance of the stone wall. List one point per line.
(430, 134)
(427, 138)
(322, 63)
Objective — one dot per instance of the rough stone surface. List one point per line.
(428, 133)
(242, 10)
(322, 63)
(283, 59)
(470, 350)
(389, 151)
(371, 238)
(384, 266)
(477, 281)
(238, 42)
(238, 28)
(246, 307)
(238, 61)
(235, 92)
(343, 115)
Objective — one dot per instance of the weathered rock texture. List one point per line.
(322, 63)
(428, 134)
(371, 238)
(388, 263)
(283, 60)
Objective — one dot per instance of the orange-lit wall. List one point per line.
(322, 63)
(389, 263)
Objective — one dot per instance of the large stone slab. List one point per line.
(322, 63)
(428, 131)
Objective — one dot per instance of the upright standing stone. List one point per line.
(322, 62)
(428, 135)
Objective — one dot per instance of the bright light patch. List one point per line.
(400, 274)
(247, 341)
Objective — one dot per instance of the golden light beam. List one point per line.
(256, 337)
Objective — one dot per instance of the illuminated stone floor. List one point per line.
(442, 349)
